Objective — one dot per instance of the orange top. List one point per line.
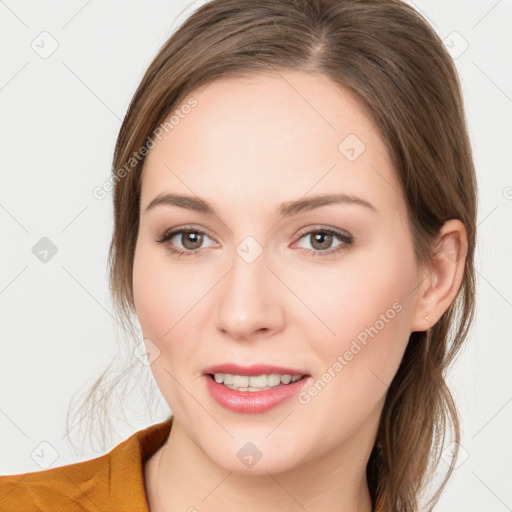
(113, 482)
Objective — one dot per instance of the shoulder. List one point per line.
(67, 486)
(113, 481)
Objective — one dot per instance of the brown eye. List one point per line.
(184, 242)
(321, 240)
(191, 240)
(325, 241)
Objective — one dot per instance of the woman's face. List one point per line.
(326, 289)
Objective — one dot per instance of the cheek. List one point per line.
(359, 295)
(166, 301)
(355, 351)
(148, 285)
(368, 310)
(164, 294)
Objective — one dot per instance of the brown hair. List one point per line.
(388, 56)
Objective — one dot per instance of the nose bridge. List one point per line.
(249, 300)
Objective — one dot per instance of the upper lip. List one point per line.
(257, 369)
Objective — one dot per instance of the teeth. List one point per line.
(259, 381)
(254, 382)
(285, 379)
(240, 381)
(275, 379)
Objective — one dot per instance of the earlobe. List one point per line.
(443, 279)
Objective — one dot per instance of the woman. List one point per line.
(295, 205)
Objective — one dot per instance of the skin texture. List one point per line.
(249, 145)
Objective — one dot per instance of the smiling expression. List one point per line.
(294, 241)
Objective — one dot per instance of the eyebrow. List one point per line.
(286, 209)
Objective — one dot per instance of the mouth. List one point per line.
(254, 383)
(254, 389)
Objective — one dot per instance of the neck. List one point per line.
(181, 477)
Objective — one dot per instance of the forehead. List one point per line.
(266, 138)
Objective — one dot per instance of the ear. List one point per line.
(442, 280)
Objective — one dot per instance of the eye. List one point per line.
(322, 238)
(190, 239)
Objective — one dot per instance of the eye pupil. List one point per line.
(195, 238)
(321, 236)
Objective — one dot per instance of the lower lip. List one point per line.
(252, 402)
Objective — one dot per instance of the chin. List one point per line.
(255, 458)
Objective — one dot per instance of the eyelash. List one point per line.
(342, 236)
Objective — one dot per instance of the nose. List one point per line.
(249, 300)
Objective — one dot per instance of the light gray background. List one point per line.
(59, 120)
